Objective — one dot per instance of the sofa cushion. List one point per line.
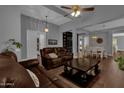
(53, 55)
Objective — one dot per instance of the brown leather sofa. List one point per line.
(12, 74)
(62, 53)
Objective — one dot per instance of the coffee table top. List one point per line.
(83, 64)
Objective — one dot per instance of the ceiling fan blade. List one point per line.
(66, 7)
(88, 9)
(66, 15)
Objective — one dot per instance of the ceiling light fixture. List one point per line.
(46, 27)
(76, 11)
(94, 36)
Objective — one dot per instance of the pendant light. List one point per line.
(46, 27)
(94, 36)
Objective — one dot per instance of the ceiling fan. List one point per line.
(76, 10)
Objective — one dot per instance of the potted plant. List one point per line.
(12, 45)
(120, 61)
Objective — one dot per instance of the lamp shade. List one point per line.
(46, 29)
(94, 37)
(75, 13)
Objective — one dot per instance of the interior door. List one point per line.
(35, 41)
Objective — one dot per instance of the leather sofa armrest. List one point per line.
(29, 63)
(55, 80)
(59, 83)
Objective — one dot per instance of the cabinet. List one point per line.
(67, 41)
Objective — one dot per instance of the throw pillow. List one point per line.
(34, 78)
(52, 55)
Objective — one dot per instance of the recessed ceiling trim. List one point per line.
(57, 10)
(103, 22)
(108, 25)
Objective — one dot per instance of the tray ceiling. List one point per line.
(56, 14)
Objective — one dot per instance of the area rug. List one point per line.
(81, 82)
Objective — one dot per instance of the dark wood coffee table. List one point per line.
(77, 69)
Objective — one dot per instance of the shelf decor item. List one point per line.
(120, 61)
(99, 40)
(12, 45)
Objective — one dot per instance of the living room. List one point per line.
(12, 14)
(38, 29)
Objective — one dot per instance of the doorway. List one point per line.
(118, 45)
(35, 42)
(82, 44)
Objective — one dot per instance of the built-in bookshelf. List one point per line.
(67, 41)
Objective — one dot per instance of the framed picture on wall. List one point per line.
(52, 42)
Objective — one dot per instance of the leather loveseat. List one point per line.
(13, 74)
(62, 57)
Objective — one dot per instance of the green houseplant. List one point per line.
(12, 45)
(120, 61)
